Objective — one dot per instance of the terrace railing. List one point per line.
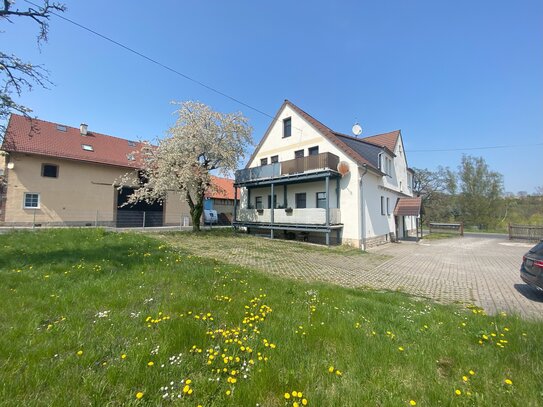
(295, 166)
(306, 216)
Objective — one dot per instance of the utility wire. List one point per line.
(175, 71)
(473, 148)
(154, 61)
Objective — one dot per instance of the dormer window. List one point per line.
(385, 164)
(87, 147)
(287, 127)
(131, 143)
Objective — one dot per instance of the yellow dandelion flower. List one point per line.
(186, 388)
(465, 378)
(471, 372)
(331, 369)
(228, 392)
(401, 349)
(79, 352)
(458, 392)
(508, 381)
(304, 402)
(139, 395)
(188, 381)
(295, 404)
(123, 356)
(294, 394)
(287, 396)
(412, 402)
(339, 373)
(151, 363)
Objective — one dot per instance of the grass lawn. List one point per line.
(96, 318)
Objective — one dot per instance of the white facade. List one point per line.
(353, 200)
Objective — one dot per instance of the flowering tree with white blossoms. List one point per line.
(201, 141)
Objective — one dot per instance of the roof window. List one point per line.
(60, 127)
(131, 143)
(87, 147)
(130, 157)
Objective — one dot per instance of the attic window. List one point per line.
(60, 127)
(130, 157)
(87, 147)
(287, 127)
(131, 143)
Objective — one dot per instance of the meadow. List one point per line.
(91, 317)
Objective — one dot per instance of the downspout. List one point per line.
(362, 233)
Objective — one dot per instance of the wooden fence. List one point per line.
(447, 228)
(525, 232)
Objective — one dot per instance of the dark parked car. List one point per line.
(531, 270)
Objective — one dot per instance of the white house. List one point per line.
(306, 180)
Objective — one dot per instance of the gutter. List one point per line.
(362, 224)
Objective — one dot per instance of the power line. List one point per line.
(154, 61)
(473, 148)
(175, 71)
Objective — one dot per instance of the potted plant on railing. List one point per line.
(288, 210)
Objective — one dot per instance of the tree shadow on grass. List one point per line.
(42, 249)
(529, 292)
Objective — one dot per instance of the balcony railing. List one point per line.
(309, 163)
(298, 165)
(306, 216)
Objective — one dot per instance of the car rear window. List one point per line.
(538, 248)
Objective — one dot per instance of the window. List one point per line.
(258, 202)
(60, 127)
(313, 150)
(385, 164)
(287, 127)
(49, 170)
(31, 200)
(298, 153)
(130, 157)
(321, 200)
(388, 206)
(131, 143)
(270, 201)
(263, 161)
(300, 200)
(87, 147)
(382, 205)
(274, 159)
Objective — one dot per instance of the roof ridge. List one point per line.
(72, 127)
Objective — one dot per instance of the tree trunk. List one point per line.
(196, 209)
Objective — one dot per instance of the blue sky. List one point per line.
(450, 74)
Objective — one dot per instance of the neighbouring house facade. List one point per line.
(221, 199)
(65, 176)
(308, 180)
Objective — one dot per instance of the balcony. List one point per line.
(306, 216)
(291, 169)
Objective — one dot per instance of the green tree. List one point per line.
(480, 192)
(201, 141)
(437, 191)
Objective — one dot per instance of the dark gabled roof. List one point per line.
(368, 150)
(364, 152)
(408, 207)
(34, 136)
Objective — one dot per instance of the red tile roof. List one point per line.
(225, 188)
(34, 136)
(408, 207)
(387, 140)
(40, 137)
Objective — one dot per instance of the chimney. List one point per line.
(83, 129)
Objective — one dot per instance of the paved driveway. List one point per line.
(484, 271)
(479, 270)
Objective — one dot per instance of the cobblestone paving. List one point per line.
(483, 271)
